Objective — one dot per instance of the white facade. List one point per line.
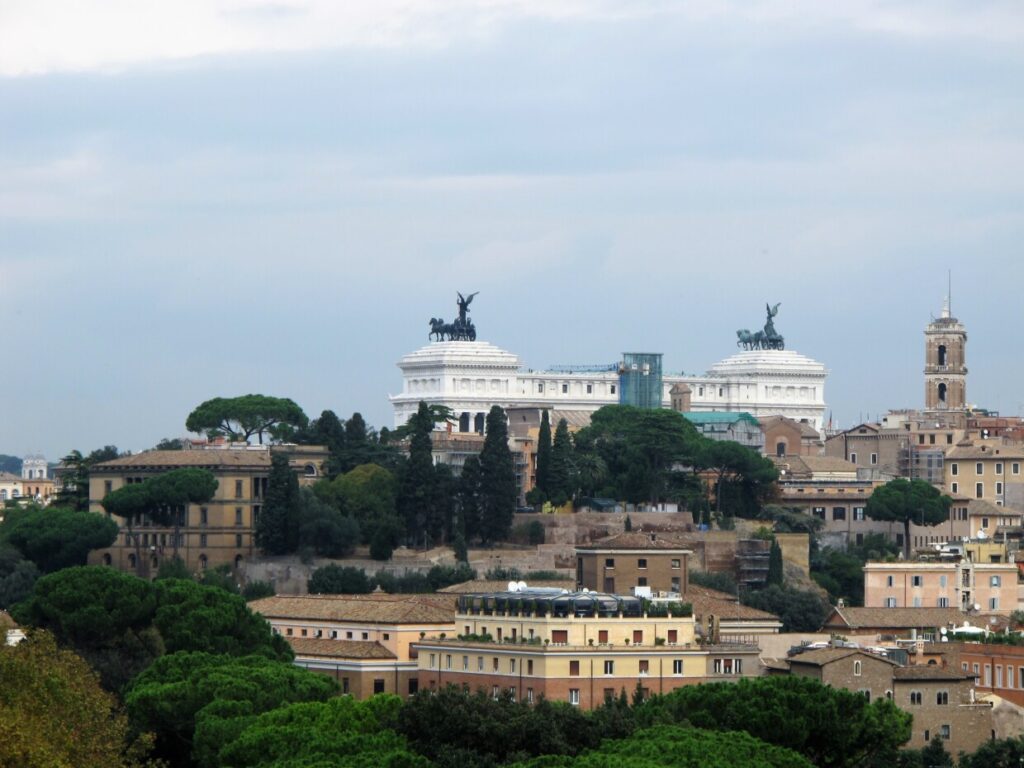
(34, 468)
(471, 376)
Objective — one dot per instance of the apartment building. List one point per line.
(620, 563)
(992, 587)
(999, 669)
(577, 647)
(365, 642)
(219, 532)
(989, 471)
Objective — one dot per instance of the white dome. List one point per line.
(460, 354)
(767, 361)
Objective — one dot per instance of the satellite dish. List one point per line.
(520, 586)
(943, 630)
(977, 608)
(512, 586)
(945, 639)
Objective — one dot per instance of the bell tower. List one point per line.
(945, 363)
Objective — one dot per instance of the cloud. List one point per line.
(42, 36)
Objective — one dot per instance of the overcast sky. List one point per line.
(213, 197)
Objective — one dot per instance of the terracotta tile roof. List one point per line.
(725, 609)
(367, 609)
(499, 585)
(981, 507)
(985, 452)
(339, 649)
(695, 590)
(637, 540)
(218, 458)
(819, 657)
(925, 672)
(7, 477)
(894, 618)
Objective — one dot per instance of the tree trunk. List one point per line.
(906, 539)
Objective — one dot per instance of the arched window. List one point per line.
(131, 561)
(202, 562)
(856, 668)
(3, 495)
(942, 393)
(780, 448)
(464, 422)
(478, 424)
(238, 562)
(310, 470)
(942, 354)
(106, 559)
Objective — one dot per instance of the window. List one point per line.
(673, 637)
(853, 458)
(915, 697)
(645, 667)
(387, 636)
(979, 490)
(238, 540)
(954, 487)
(238, 489)
(238, 515)
(609, 667)
(641, 563)
(609, 562)
(529, 666)
(675, 564)
(344, 685)
(874, 458)
(642, 581)
(494, 664)
(943, 602)
(999, 489)
(590, 388)
(366, 635)
(1009, 677)
(465, 663)
(954, 469)
(613, 389)
(995, 581)
(638, 636)
(574, 668)
(942, 698)
(888, 581)
(675, 587)
(348, 635)
(944, 731)
(529, 695)
(602, 635)
(999, 675)
(495, 692)
(479, 663)
(1015, 468)
(858, 514)
(915, 581)
(979, 469)
(865, 693)
(993, 603)
(890, 602)
(819, 512)
(942, 580)
(540, 386)
(203, 516)
(987, 676)
(433, 661)
(448, 661)
(511, 666)
(560, 636)
(574, 696)
(202, 539)
(856, 668)
(999, 467)
(838, 513)
(414, 685)
(565, 389)
(108, 486)
(677, 666)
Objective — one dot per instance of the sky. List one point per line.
(206, 198)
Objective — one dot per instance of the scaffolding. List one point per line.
(640, 380)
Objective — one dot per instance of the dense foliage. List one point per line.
(54, 538)
(337, 579)
(239, 418)
(908, 501)
(800, 610)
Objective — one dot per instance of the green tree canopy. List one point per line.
(336, 579)
(196, 702)
(277, 530)
(497, 480)
(828, 726)
(55, 538)
(417, 493)
(670, 746)
(539, 492)
(239, 418)
(17, 576)
(800, 610)
(54, 713)
(323, 530)
(908, 501)
(341, 732)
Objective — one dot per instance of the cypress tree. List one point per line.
(497, 480)
(559, 487)
(469, 498)
(416, 494)
(775, 565)
(543, 457)
(277, 530)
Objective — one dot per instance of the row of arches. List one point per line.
(154, 561)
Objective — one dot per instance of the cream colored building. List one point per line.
(215, 533)
(989, 471)
(364, 641)
(578, 647)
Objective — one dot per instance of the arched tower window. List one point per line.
(942, 354)
(780, 448)
(942, 392)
